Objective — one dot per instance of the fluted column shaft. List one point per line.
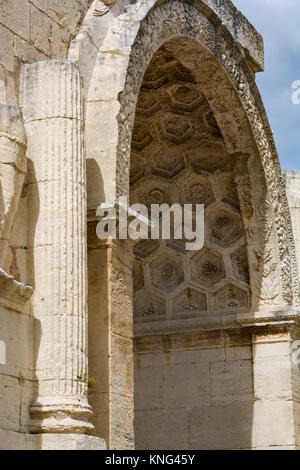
(53, 117)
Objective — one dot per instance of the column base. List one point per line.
(56, 415)
(20, 441)
(68, 442)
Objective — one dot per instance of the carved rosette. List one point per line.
(54, 123)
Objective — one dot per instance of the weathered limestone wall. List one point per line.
(16, 355)
(187, 396)
(110, 296)
(33, 30)
(232, 373)
(292, 179)
(217, 389)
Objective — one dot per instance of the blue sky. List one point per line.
(279, 23)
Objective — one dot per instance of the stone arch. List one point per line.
(120, 53)
(114, 83)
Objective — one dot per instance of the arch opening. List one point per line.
(185, 301)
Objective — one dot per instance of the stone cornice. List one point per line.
(217, 322)
(13, 294)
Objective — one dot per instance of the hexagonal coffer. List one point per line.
(189, 301)
(148, 306)
(207, 268)
(225, 227)
(184, 97)
(166, 163)
(166, 273)
(141, 137)
(231, 297)
(151, 192)
(176, 128)
(196, 190)
(147, 104)
(145, 248)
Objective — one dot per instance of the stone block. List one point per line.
(121, 423)
(140, 433)
(26, 398)
(271, 349)
(47, 36)
(149, 360)
(107, 83)
(121, 363)
(186, 385)
(16, 19)
(272, 378)
(238, 353)
(17, 333)
(100, 147)
(167, 429)
(18, 236)
(10, 401)
(27, 53)
(68, 442)
(6, 48)
(40, 4)
(231, 382)
(197, 356)
(149, 388)
(65, 12)
(23, 441)
(273, 424)
(122, 302)
(10, 440)
(221, 427)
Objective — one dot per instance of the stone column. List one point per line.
(52, 105)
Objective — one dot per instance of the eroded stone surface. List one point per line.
(209, 373)
(13, 168)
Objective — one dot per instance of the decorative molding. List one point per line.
(210, 330)
(13, 295)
